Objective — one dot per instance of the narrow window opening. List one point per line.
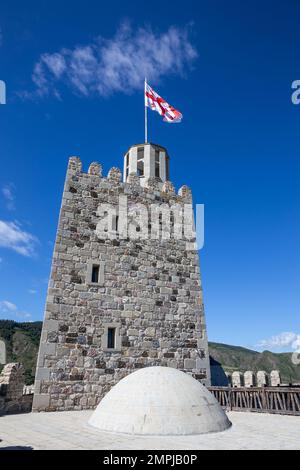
(140, 168)
(140, 161)
(140, 153)
(167, 169)
(160, 227)
(117, 223)
(157, 172)
(127, 166)
(160, 220)
(172, 223)
(111, 338)
(95, 273)
(106, 227)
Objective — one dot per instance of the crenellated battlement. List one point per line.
(152, 184)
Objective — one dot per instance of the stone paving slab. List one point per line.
(69, 430)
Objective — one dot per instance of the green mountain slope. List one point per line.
(22, 343)
(234, 358)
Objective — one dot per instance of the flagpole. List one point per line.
(146, 115)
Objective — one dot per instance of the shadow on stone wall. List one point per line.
(218, 376)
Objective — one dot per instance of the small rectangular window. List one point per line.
(140, 168)
(95, 273)
(167, 169)
(156, 156)
(140, 153)
(111, 338)
(157, 170)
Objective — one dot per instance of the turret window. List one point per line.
(140, 161)
(140, 153)
(127, 165)
(167, 169)
(157, 172)
(140, 168)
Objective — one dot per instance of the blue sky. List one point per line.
(74, 87)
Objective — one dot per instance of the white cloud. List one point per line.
(119, 64)
(283, 340)
(6, 306)
(8, 193)
(9, 308)
(32, 291)
(13, 237)
(24, 316)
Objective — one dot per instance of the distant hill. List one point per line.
(22, 343)
(234, 358)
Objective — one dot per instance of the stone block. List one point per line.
(237, 379)
(41, 402)
(249, 378)
(43, 373)
(262, 378)
(2, 352)
(275, 378)
(190, 364)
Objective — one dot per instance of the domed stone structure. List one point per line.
(159, 401)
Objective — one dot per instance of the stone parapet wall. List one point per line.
(12, 399)
(254, 379)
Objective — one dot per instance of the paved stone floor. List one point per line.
(69, 430)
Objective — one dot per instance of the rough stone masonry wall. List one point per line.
(151, 292)
(12, 396)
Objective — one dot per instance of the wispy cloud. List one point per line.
(8, 308)
(32, 291)
(283, 340)
(106, 66)
(12, 236)
(24, 316)
(8, 192)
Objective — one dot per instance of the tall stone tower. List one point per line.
(122, 295)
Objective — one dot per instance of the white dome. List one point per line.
(159, 401)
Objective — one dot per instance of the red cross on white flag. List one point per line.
(157, 103)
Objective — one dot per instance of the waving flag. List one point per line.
(157, 103)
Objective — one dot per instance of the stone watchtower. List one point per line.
(123, 294)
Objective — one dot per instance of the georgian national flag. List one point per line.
(157, 103)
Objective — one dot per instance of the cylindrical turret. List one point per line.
(146, 161)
